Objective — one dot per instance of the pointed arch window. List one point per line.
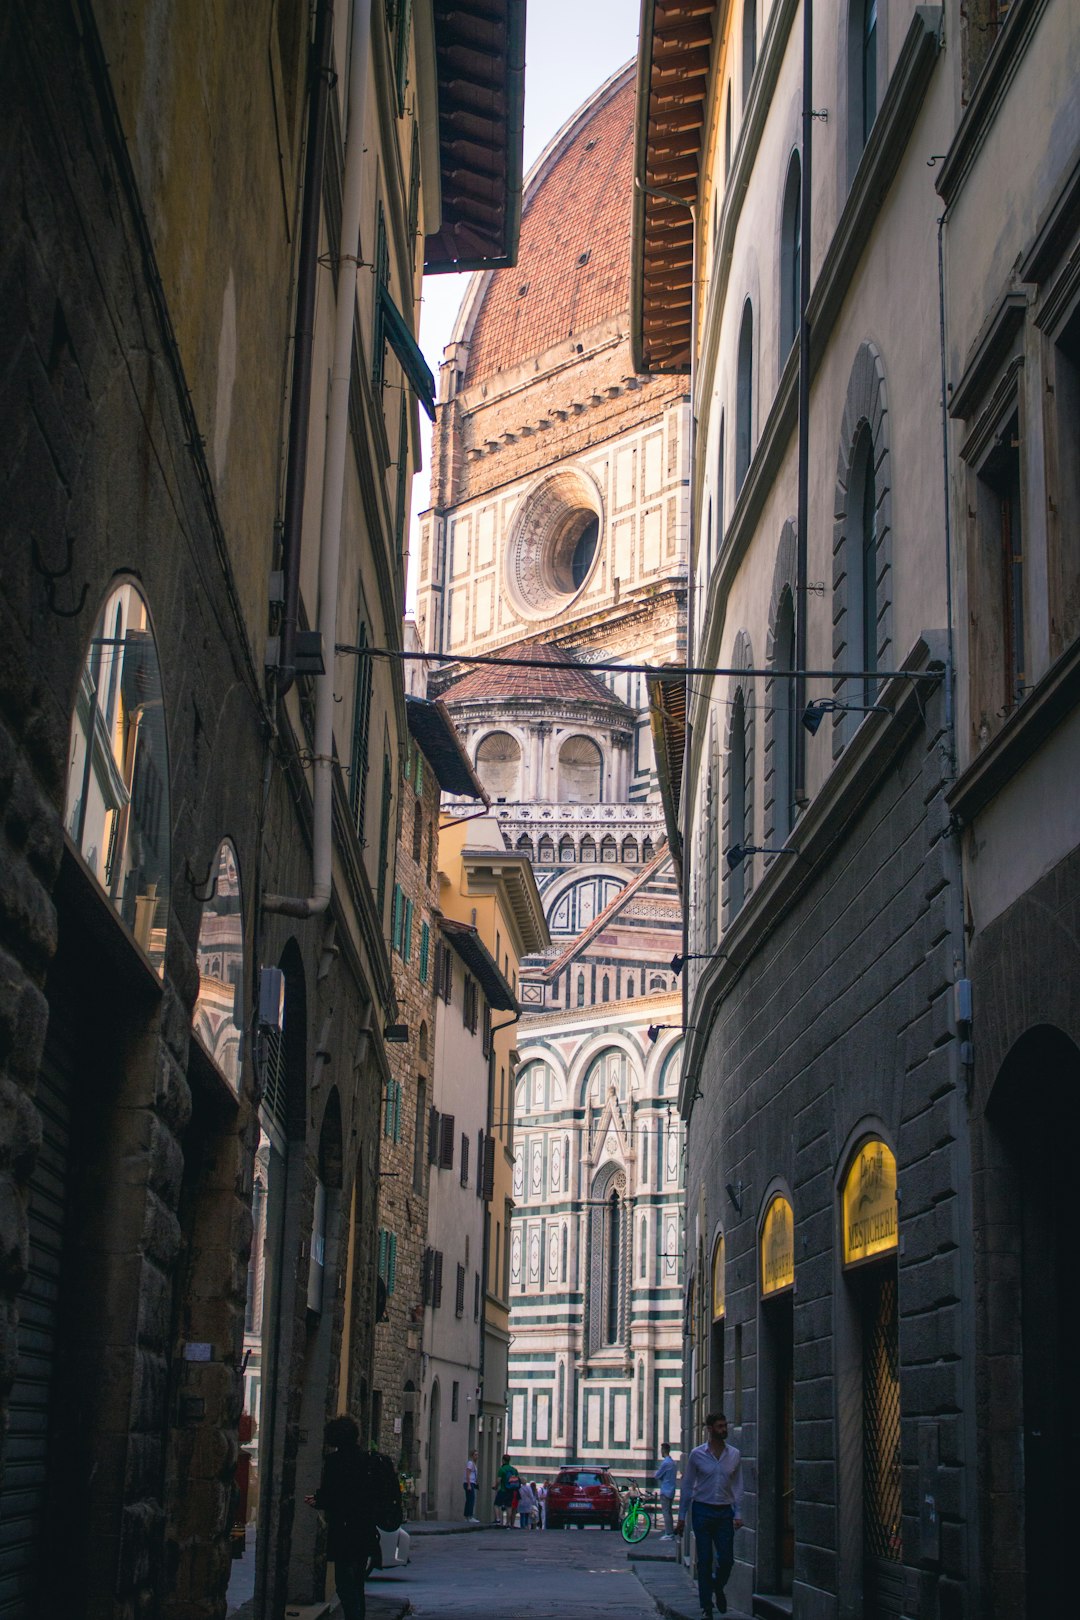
(863, 554)
(744, 397)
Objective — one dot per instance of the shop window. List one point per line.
(117, 803)
(219, 1011)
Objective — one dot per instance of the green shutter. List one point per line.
(391, 1262)
(395, 917)
(419, 771)
(401, 53)
(382, 279)
(399, 1094)
(406, 949)
(384, 835)
(425, 947)
(388, 1116)
(402, 480)
(361, 722)
(382, 1252)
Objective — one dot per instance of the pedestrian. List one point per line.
(712, 1488)
(526, 1504)
(507, 1481)
(469, 1482)
(343, 1495)
(665, 1478)
(541, 1505)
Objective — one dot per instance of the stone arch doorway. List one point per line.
(1032, 1257)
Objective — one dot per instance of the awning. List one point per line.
(433, 730)
(667, 717)
(466, 941)
(480, 65)
(405, 347)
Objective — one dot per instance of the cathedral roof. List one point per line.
(570, 683)
(573, 264)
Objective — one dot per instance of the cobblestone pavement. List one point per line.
(520, 1575)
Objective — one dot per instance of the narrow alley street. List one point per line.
(557, 1575)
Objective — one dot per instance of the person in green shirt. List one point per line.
(508, 1483)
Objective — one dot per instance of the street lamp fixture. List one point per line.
(818, 708)
(678, 960)
(654, 1029)
(738, 852)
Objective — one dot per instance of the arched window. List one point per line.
(790, 257)
(610, 1236)
(498, 765)
(580, 772)
(588, 848)
(605, 988)
(744, 397)
(117, 804)
(749, 46)
(615, 1240)
(566, 849)
(737, 799)
(581, 989)
(727, 132)
(712, 849)
(219, 1011)
(720, 474)
(546, 851)
(647, 850)
(785, 720)
(862, 554)
(629, 851)
(524, 845)
(609, 850)
(417, 830)
(630, 989)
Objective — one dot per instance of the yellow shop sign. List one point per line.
(778, 1247)
(869, 1204)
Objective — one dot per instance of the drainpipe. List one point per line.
(337, 435)
(303, 339)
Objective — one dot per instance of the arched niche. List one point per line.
(777, 1246)
(116, 808)
(218, 1021)
(498, 765)
(581, 767)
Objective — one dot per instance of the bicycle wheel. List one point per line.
(636, 1525)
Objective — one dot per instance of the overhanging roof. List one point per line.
(480, 68)
(434, 732)
(674, 67)
(667, 717)
(466, 941)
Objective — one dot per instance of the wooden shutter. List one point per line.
(476, 1296)
(406, 948)
(426, 1276)
(436, 1278)
(446, 1141)
(489, 1167)
(433, 1135)
(459, 1292)
(384, 836)
(425, 946)
(464, 1160)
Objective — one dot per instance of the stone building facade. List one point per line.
(556, 538)
(196, 918)
(1013, 363)
(830, 1308)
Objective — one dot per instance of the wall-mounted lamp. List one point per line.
(738, 852)
(678, 960)
(654, 1029)
(395, 1034)
(735, 1190)
(818, 708)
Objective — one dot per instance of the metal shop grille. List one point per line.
(881, 1418)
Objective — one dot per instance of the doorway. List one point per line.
(776, 1553)
(1034, 1112)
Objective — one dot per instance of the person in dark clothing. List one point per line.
(351, 1533)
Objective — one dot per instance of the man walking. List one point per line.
(469, 1482)
(712, 1487)
(665, 1479)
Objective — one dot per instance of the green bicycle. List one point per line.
(636, 1521)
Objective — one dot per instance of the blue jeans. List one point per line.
(349, 1580)
(714, 1537)
(470, 1501)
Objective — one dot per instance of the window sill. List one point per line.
(990, 91)
(1028, 727)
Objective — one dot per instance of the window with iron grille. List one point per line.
(459, 1292)
(881, 1415)
(464, 1160)
(446, 1141)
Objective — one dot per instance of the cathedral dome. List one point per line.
(573, 268)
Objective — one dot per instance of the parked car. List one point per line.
(584, 1496)
(393, 1551)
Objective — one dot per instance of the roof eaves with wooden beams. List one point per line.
(674, 67)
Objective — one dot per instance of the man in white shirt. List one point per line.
(469, 1483)
(665, 1479)
(712, 1488)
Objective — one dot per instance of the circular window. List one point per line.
(554, 542)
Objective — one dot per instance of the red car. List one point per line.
(584, 1496)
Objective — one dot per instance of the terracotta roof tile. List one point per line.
(578, 209)
(573, 684)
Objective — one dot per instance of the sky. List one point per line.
(571, 47)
